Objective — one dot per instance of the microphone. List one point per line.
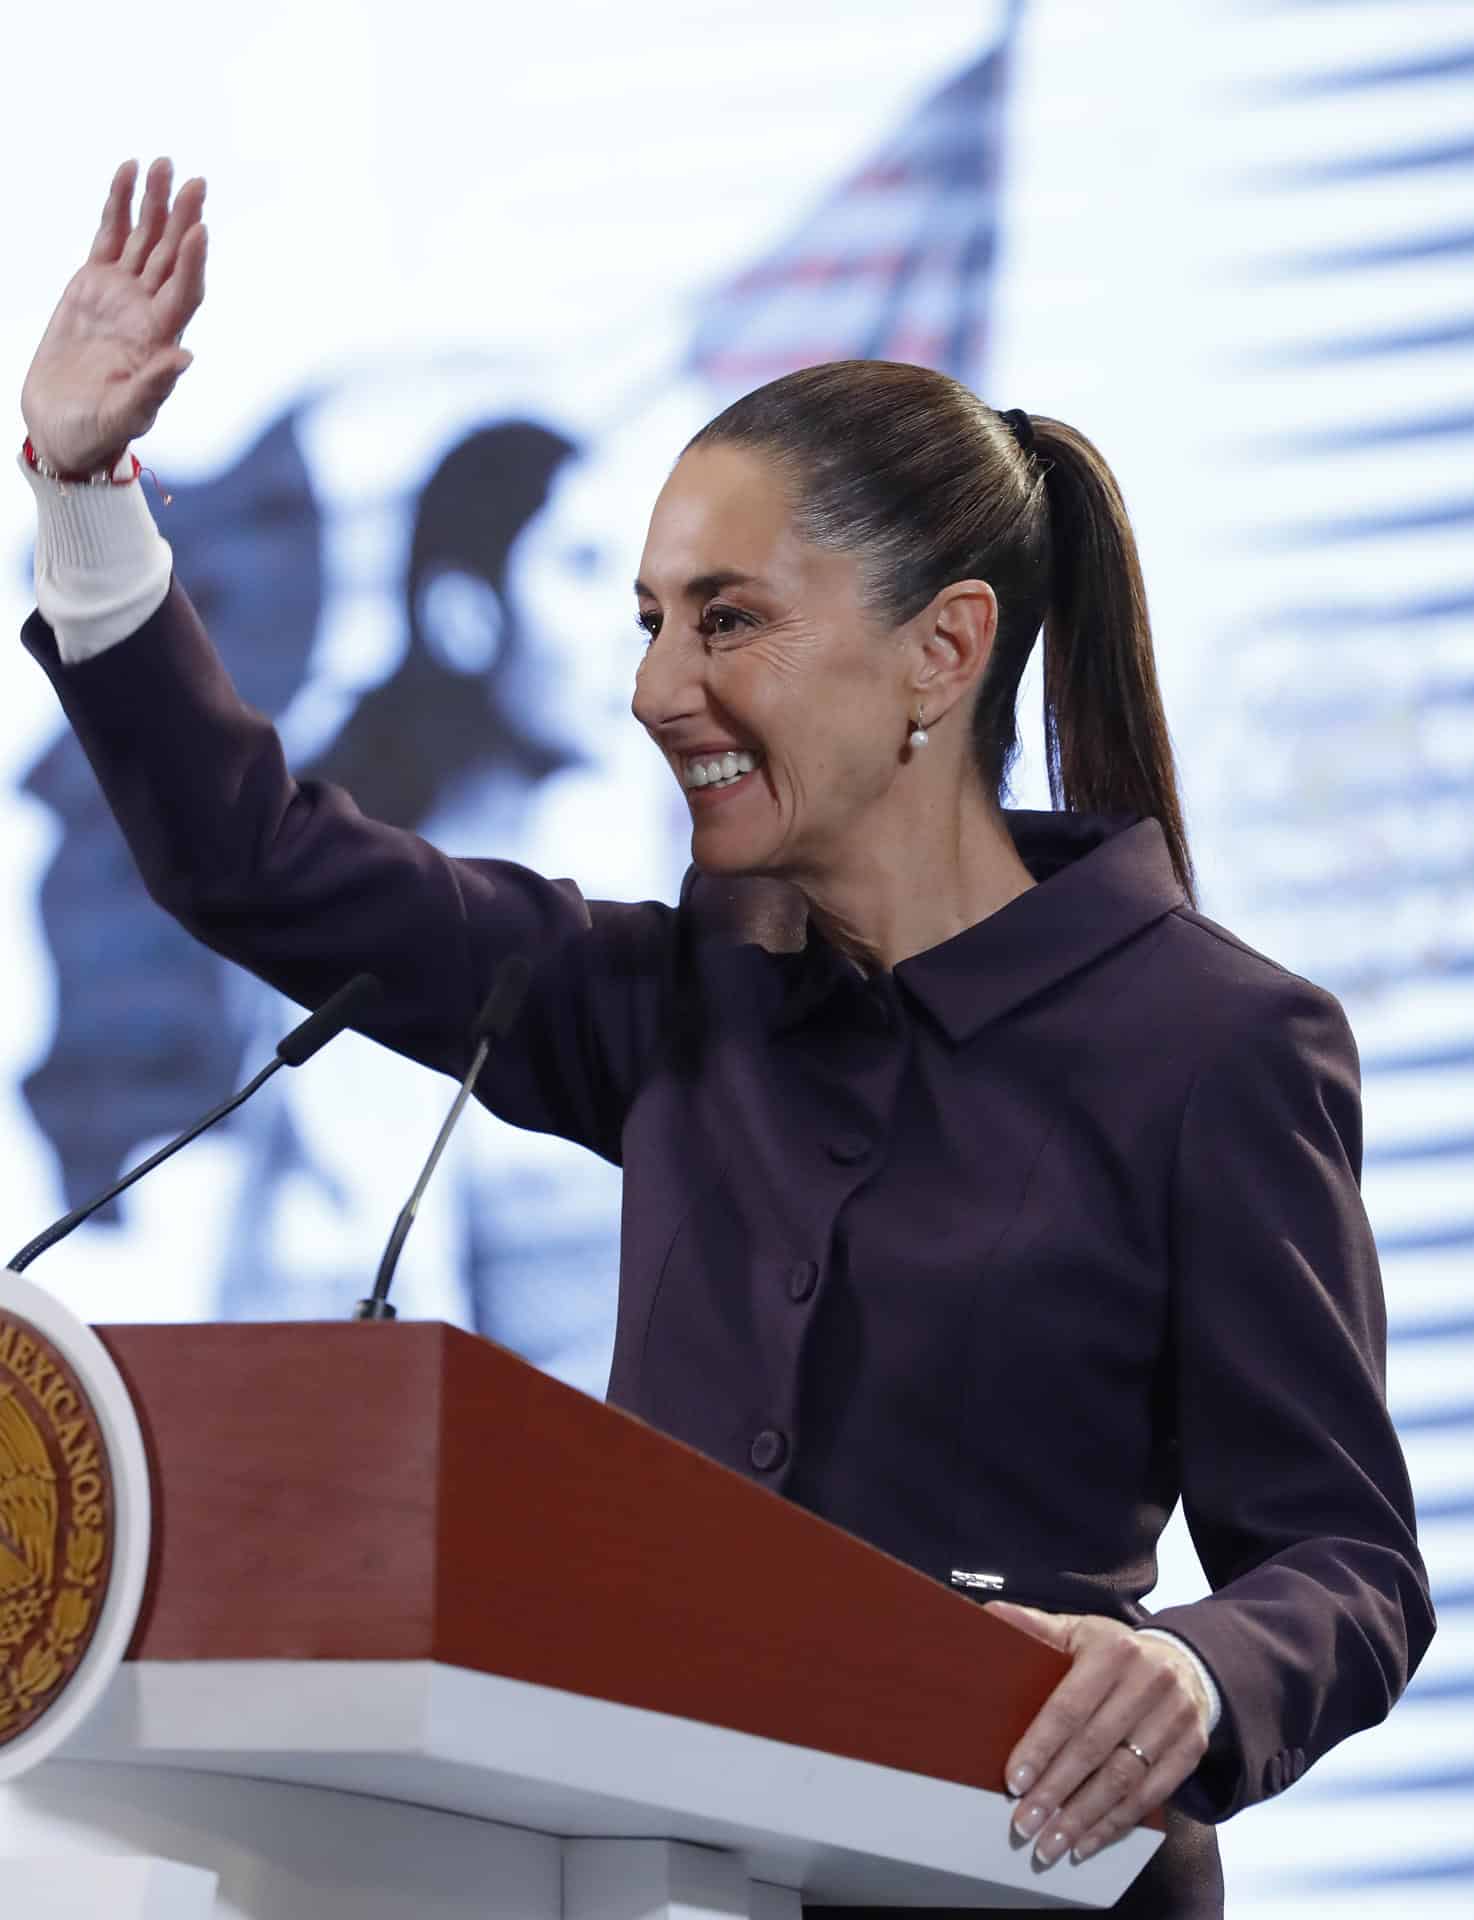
(348, 1004)
(499, 1009)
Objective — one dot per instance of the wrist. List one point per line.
(102, 566)
(118, 469)
(1212, 1699)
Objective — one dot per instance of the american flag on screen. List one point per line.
(895, 264)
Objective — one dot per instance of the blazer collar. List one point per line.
(1102, 878)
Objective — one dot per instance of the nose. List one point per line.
(668, 684)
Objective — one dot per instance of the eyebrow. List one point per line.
(706, 584)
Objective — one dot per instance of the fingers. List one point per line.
(1124, 1791)
(178, 300)
(1054, 1629)
(153, 215)
(152, 384)
(1105, 1789)
(1093, 1750)
(184, 215)
(114, 226)
(1085, 1785)
(1065, 1716)
(132, 408)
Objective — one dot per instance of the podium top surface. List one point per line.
(408, 1492)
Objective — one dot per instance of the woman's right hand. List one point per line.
(110, 356)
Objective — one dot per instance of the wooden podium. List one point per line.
(429, 1634)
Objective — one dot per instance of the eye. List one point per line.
(648, 622)
(718, 621)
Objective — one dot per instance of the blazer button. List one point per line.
(802, 1280)
(848, 1148)
(768, 1450)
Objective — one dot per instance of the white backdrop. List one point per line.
(1233, 244)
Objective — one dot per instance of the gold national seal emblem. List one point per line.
(56, 1524)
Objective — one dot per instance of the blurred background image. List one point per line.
(475, 277)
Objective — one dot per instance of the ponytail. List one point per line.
(1107, 747)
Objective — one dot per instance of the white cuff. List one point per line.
(1210, 1686)
(102, 566)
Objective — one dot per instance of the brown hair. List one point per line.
(908, 469)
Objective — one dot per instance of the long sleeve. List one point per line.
(1293, 1482)
(102, 566)
(290, 880)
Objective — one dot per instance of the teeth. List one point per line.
(719, 771)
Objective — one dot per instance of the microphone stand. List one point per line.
(498, 1011)
(347, 1004)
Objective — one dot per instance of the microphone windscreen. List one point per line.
(349, 1004)
(502, 1005)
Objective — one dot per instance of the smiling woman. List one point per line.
(851, 564)
(980, 1194)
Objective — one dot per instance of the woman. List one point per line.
(979, 1194)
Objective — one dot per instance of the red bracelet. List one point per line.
(105, 477)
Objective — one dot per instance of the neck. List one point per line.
(945, 865)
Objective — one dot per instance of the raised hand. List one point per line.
(110, 355)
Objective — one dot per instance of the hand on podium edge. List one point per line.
(1112, 1743)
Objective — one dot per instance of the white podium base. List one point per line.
(326, 1790)
(293, 1853)
(277, 1852)
(82, 1888)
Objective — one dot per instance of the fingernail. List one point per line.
(1051, 1847)
(1030, 1821)
(1021, 1779)
(1086, 1848)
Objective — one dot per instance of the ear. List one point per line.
(954, 641)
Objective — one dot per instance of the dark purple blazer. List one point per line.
(986, 1260)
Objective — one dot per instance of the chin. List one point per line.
(730, 855)
(721, 860)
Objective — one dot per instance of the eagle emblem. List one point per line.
(28, 1506)
(55, 1525)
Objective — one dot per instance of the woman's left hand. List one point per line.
(1078, 1783)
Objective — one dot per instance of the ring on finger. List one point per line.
(1130, 1746)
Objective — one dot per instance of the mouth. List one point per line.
(705, 775)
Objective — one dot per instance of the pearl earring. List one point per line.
(918, 735)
